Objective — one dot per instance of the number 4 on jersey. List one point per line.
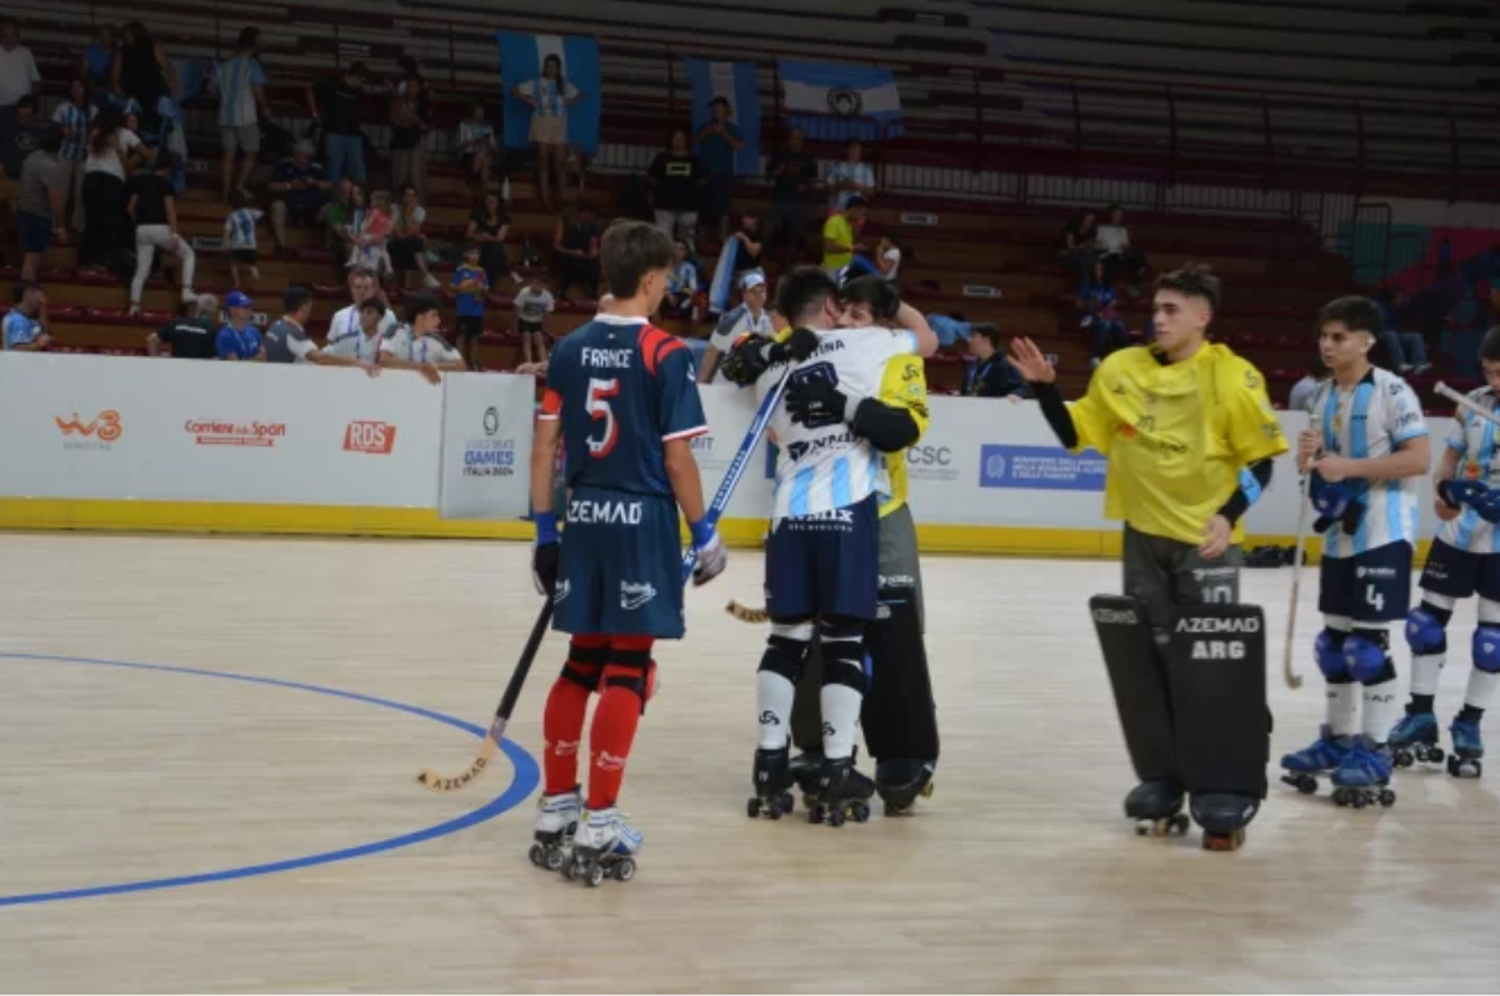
(1374, 598)
(600, 391)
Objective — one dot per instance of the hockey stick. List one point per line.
(492, 739)
(746, 615)
(1467, 405)
(1293, 679)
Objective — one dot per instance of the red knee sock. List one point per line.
(626, 686)
(562, 722)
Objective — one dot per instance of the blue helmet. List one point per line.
(238, 299)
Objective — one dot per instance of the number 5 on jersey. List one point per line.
(600, 391)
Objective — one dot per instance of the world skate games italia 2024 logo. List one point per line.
(1045, 468)
(493, 455)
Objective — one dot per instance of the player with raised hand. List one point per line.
(1464, 560)
(822, 556)
(622, 399)
(1189, 434)
(1365, 448)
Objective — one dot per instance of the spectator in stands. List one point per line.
(287, 340)
(299, 191)
(411, 120)
(72, 118)
(1406, 352)
(25, 326)
(361, 342)
(364, 287)
(1305, 391)
(18, 78)
(143, 71)
(549, 96)
(472, 286)
(793, 173)
(476, 143)
(533, 305)
(239, 340)
(417, 345)
(241, 241)
(575, 245)
(41, 206)
(1112, 241)
(886, 262)
(190, 337)
(718, 141)
(97, 66)
(22, 139)
(242, 103)
(369, 230)
(1079, 251)
(334, 105)
(750, 253)
(839, 242)
(408, 245)
(489, 226)
(850, 179)
(114, 151)
(335, 218)
(751, 316)
(153, 209)
(1101, 320)
(992, 375)
(675, 175)
(682, 283)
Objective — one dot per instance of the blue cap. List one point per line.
(238, 299)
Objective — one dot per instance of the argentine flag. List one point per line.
(521, 60)
(736, 83)
(831, 102)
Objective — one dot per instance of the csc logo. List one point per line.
(929, 456)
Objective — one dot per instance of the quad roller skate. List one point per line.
(1156, 808)
(556, 823)
(1223, 818)
(901, 782)
(772, 777)
(1363, 778)
(805, 768)
(1325, 755)
(604, 847)
(840, 794)
(1415, 739)
(1468, 748)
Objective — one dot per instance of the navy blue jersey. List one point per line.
(622, 388)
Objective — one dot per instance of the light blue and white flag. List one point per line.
(832, 102)
(736, 83)
(521, 59)
(723, 282)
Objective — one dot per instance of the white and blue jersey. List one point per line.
(236, 79)
(1474, 440)
(19, 329)
(1372, 421)
(825, 466)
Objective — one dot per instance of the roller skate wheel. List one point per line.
(596, 876)
(1223, 841)
(816, 813)
(570, 869)
(1403, 759)
(1387, 798)
(1340, 797)
(1436, 755)
(928, 789)
(555, 858)
(860, 811)
(538, 855)
(752, 808)
(625, 870)
(836, 817)
(1179, 825)
(788, 803)
(1360, 800)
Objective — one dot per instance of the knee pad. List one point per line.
(587, 656)
(842, 642)
(1426, 631)
(1365, 656)
(785, 655)
(1487, 648)
(1328, 649)
(633, 670)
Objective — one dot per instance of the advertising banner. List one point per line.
(487, 433)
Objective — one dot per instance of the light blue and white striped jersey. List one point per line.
(73, 121)
(549, 102)
(234, 79)
(1370, 422)
(474, 135)
(1473, 439)
(826, 466)
(239, 227)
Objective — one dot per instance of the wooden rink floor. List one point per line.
(1019, 874)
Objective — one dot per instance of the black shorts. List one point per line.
(1369, 587)
(470, 326)
(1459, 573)
(529, 327)
(249, 256)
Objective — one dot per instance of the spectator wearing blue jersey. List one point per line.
(240, 241)
(476, 143)
(242, 100)
(239, 340)
(549, 96)
(718, 141)
(72, 118)
(299, 191)
(852, 179)
(25, 325)
(472, 285)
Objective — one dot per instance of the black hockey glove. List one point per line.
(797, 347)
(816, 403)
(746, 360)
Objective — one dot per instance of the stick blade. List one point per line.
(436, 782)
(743, 614)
